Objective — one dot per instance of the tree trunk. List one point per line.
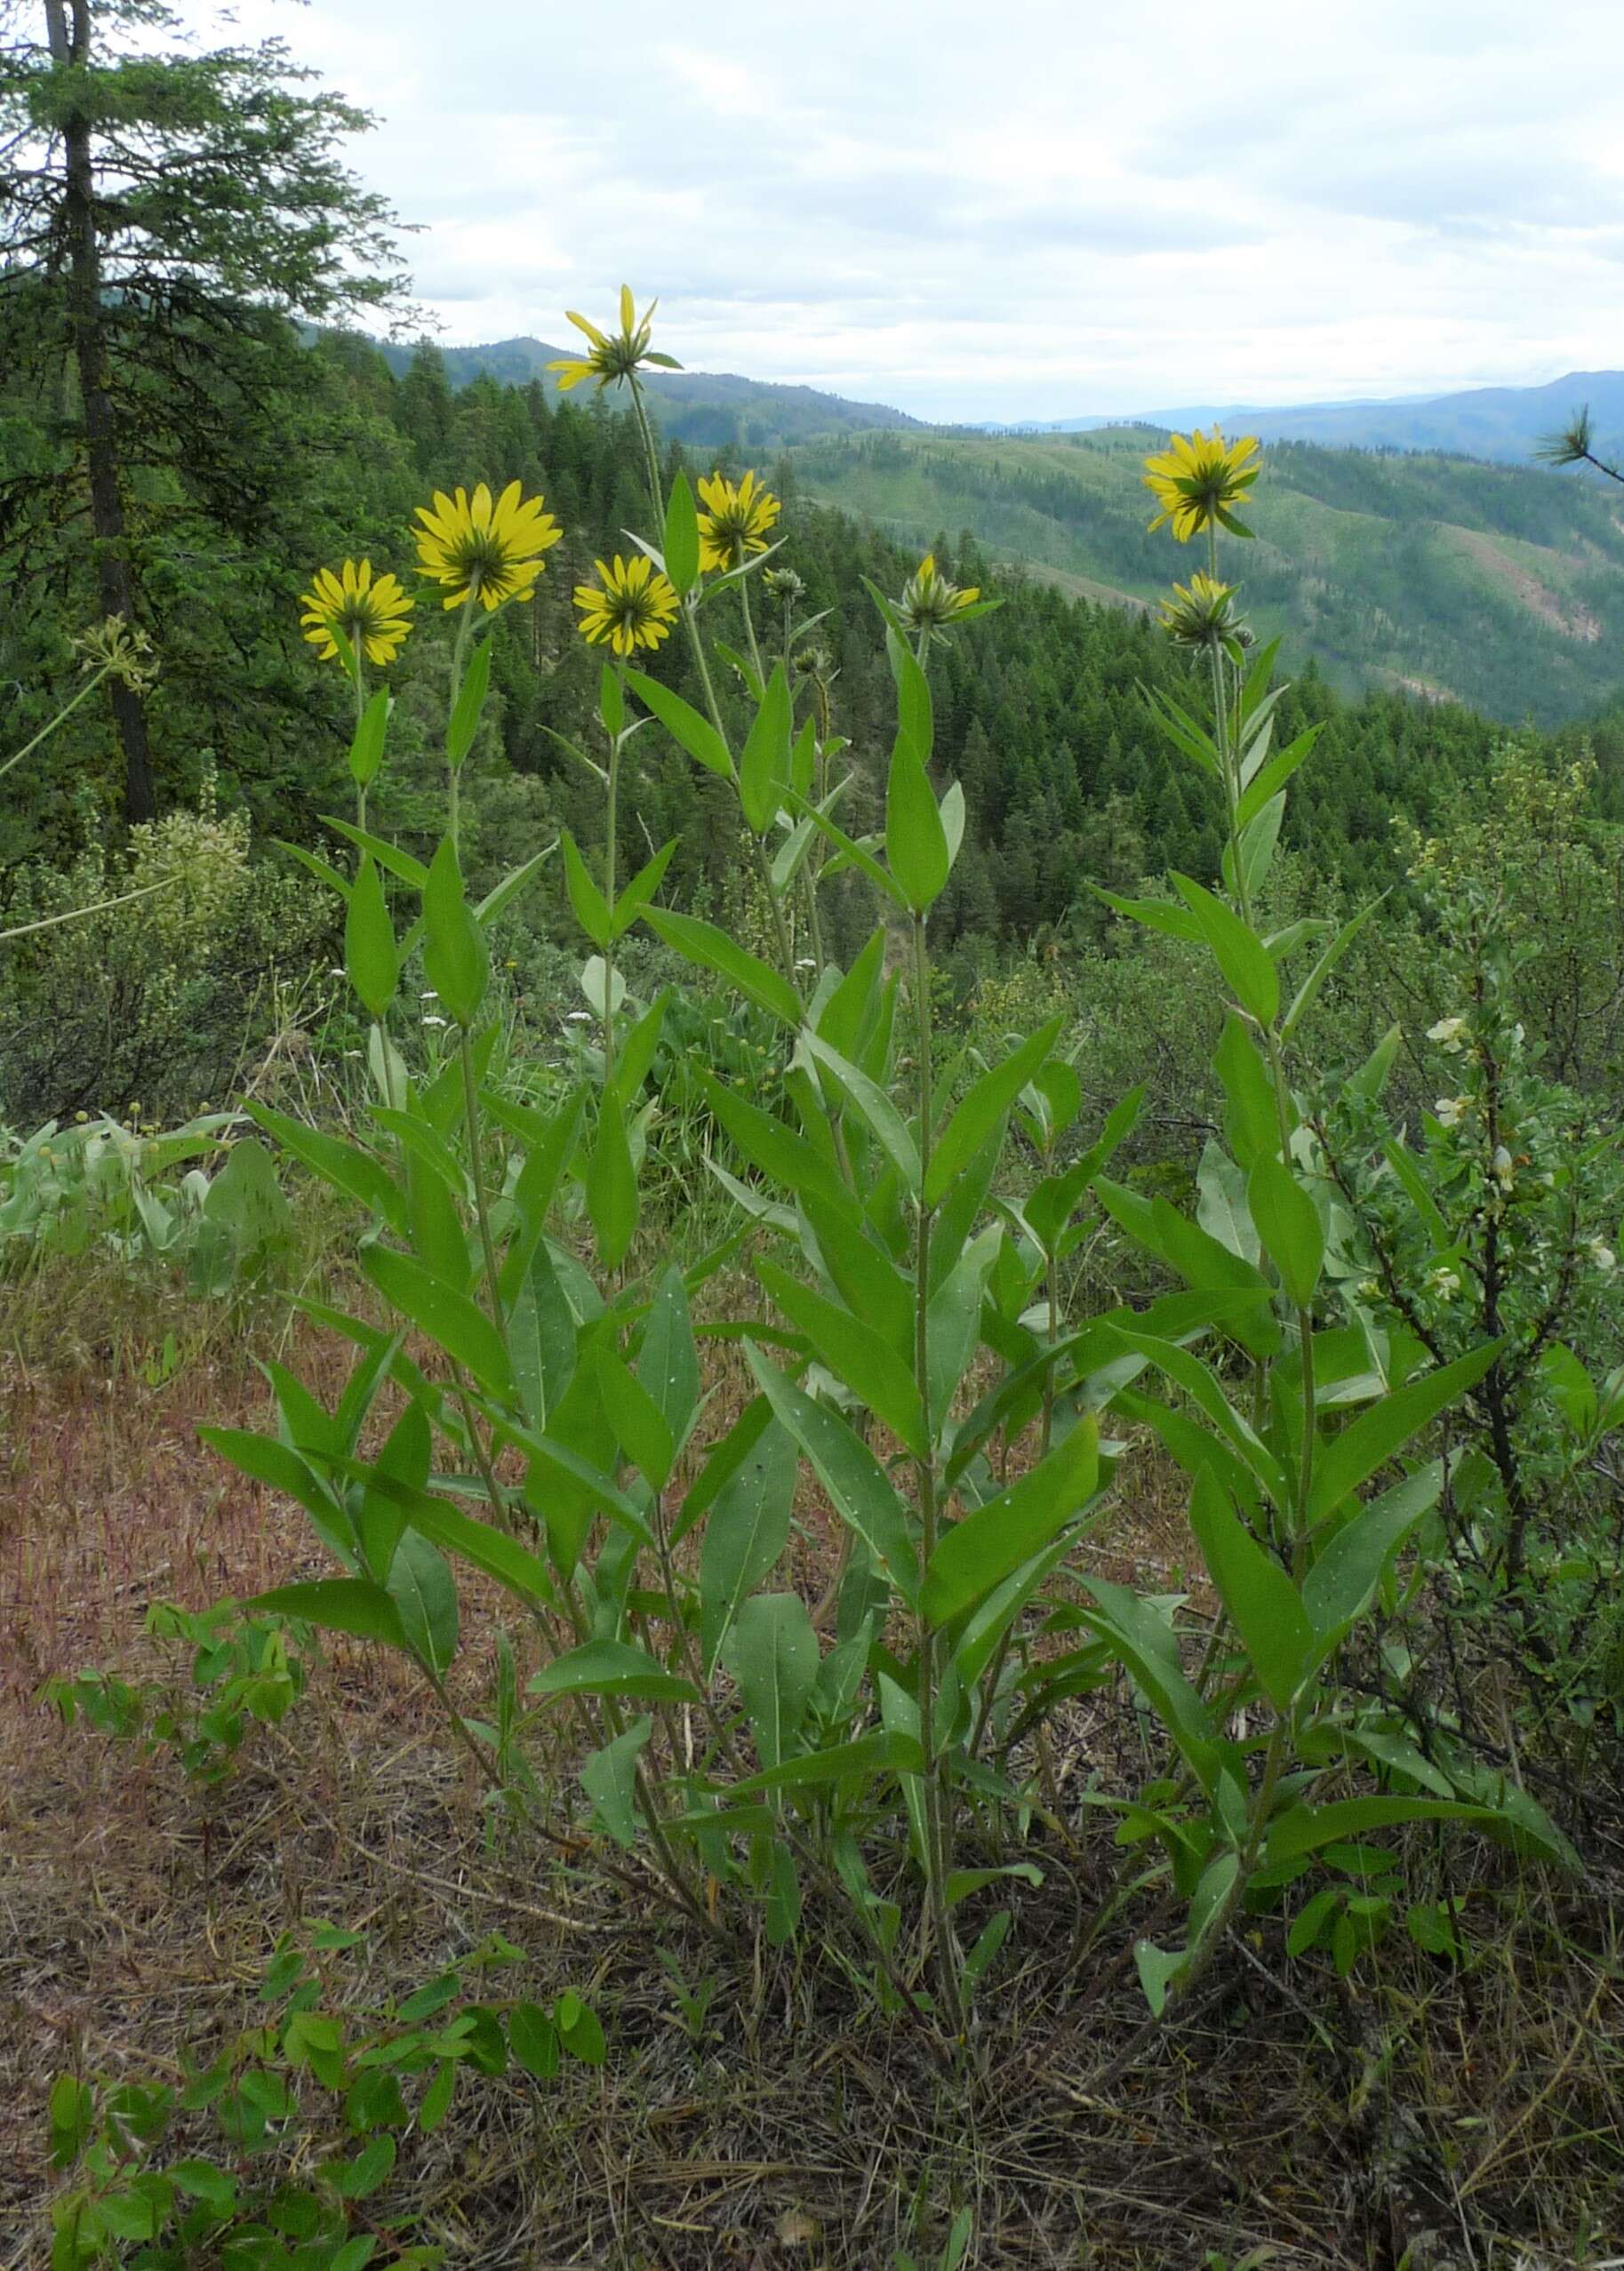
(68, 48)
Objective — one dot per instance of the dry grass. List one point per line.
(1328, 2127)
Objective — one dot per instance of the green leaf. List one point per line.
(882, 1751)
(991, 1543)
(1154, 915)
(682, 538)
(1252, 1121)
(455, 957)
(612, 1185)
(1261, 1599)
(915, 842)
(425, 1593)
(711, 949)
(338, 1163)
(668, 1362)
(763, 770)
(857, 1356)
(452, 1319)
(638, 1422)
(532, 2036)
(982, 1108)
(1277, 770)
(470, 703)
(368, 941)
(387, 854)
(405, 1459)
(1289, 1225)
(1239, 952)
(591, 908)
(1377, 1434)
(352, 1604)
(1308, 992)
(612, 1667)
(884, 1123)
(610, 1779)
(747, 1530)
(850, 1473)
(630, 904)
(503, 894)
(773, 1654)
(1342, 1582)
(366, 744)
(488, 1548)
(684, 723)
(1133, 1632)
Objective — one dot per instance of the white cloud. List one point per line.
(977, 212)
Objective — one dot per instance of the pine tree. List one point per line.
(166, 220)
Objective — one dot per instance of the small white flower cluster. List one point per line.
(1603, 1256)
(1449, 1034)
(1452, 1110)
(431, 1016)
(1444, 1282)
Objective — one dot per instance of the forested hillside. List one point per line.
(1496, 585)
(1041, 713)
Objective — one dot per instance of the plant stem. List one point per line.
(49, 728)
(482, 1204)
(610, 822)
(749, 629)
(936, 1839)
(459, 651)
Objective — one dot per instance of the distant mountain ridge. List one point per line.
(1503, 425)
(1497, 585)
(708, 409)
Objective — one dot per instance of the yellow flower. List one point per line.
(736, 521)
(612, 356)
(370, 610)
(482, 550)
(630, 606)
(930, 602)
(1197, 478)
(1201, 613)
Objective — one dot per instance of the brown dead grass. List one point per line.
(1331, 2128)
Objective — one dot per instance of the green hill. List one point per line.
(1507, 423)
(702, 409)
(1495, 585)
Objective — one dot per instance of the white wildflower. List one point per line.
(1452, 1110)
(1446, 1282)
(1603, 1256)
(1504, 1167)
(1449, 1033)
(434, 1021)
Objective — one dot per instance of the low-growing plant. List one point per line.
(127, 1188)
(282, 2148)
(239, 1670)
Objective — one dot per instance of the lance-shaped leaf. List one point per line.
(983, 1107)
(855, 1353)
(1288, 1222)
(1261, 1599)
(684, 723)
(991, 1543)
(612, 1667)
(711, 949)
(915, 841)
(763, 770)
(1367, 1443)
(1239, 952)
(856, 1482)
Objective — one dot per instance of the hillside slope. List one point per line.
(702, 409)
(1504, 424)
(1494, 585)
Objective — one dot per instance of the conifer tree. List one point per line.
(167, 219)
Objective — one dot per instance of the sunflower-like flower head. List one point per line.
(1197, 478)
(371, 612)
(783, 586)
(931, 604)
(477, 549)
(1201, 613)
(611, 355)
(123, 650)
(813, 662)
(631, 605)
(735, 521)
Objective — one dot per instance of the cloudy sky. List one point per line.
(1001, 210)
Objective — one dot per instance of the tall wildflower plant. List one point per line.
(908, 1345)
